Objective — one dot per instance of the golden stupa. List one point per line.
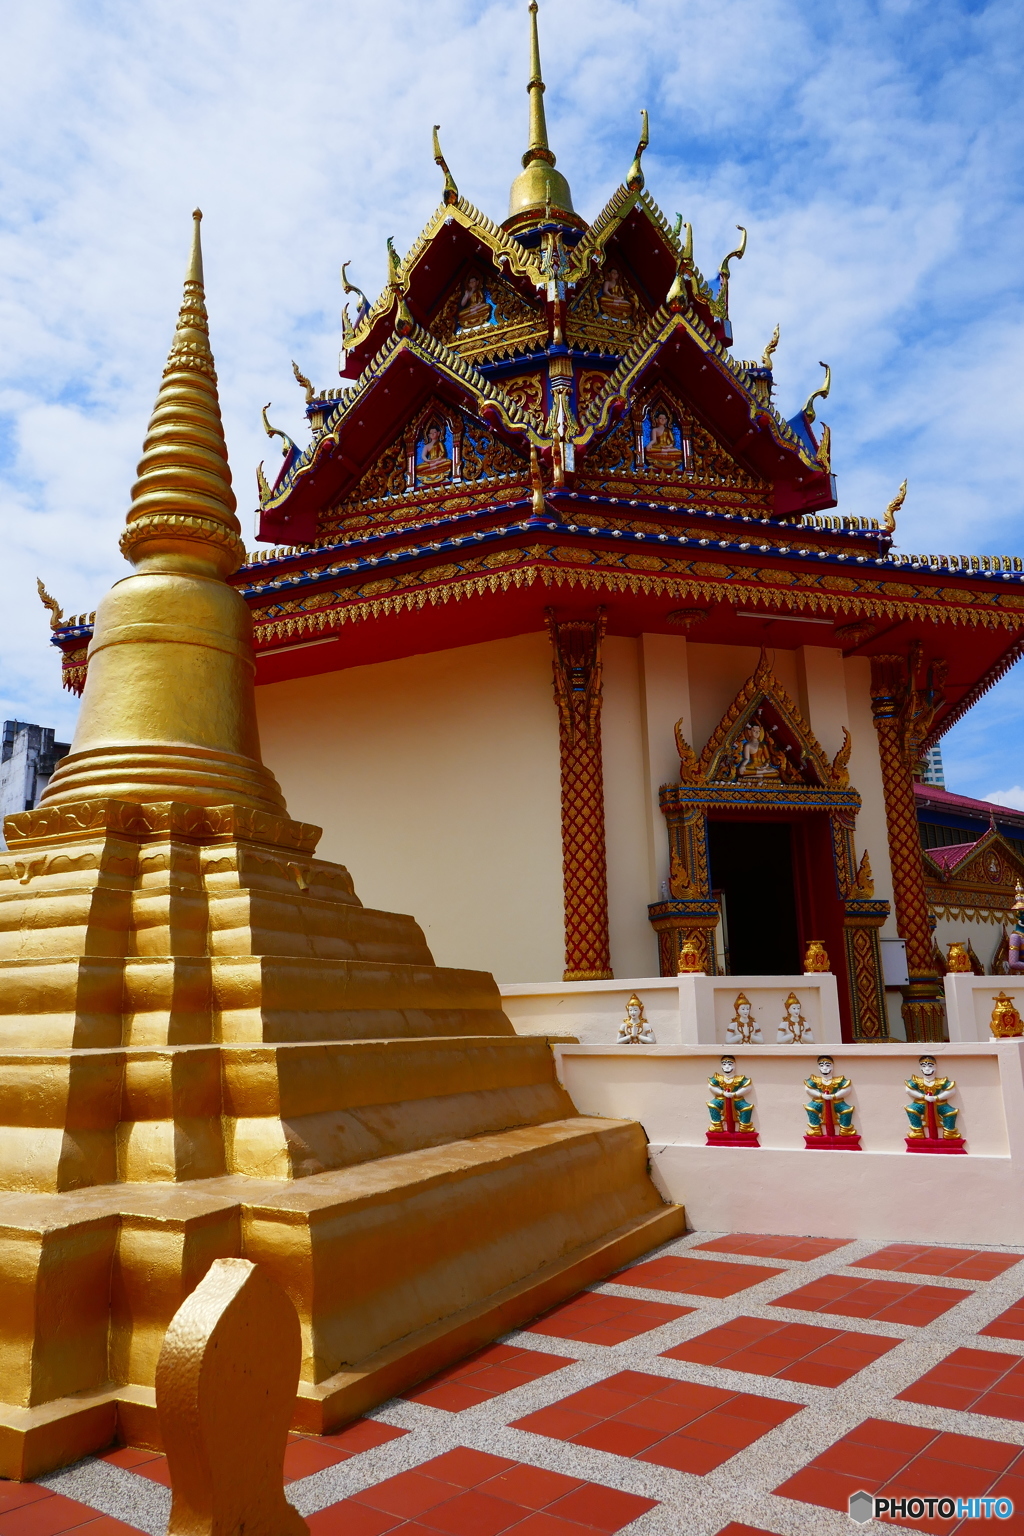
(211, 1049)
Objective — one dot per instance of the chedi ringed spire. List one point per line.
(538, 184)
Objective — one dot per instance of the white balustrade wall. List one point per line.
(882, 1191)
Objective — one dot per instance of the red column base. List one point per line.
(732, 1139)
(936, 1144)
(834, 1143)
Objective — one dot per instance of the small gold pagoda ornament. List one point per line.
(1006, 1022)
(691, 958)
(634, 1029)
(958, 959)
(816, 959)
(743, 1028)
(793, 1027)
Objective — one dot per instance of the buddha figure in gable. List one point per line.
(661, 450)
(612, 298)
(475, 308)
(434, 461)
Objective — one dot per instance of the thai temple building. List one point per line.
(639, 895)
(561, 631)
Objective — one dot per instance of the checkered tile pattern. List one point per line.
(729, 1385)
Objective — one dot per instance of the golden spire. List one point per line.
(538, 184)
(183, 507)
(535, 89)
(169, 708)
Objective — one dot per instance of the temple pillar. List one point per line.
(892, 693)
(576, 664)
(862, 920)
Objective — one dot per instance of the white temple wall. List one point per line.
(866, 778)
(436, 781)
(633, 942)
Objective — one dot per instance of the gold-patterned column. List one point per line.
(576, 662)
(902, 715)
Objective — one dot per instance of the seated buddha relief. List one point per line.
(475, 306)
(664, 447)
(433, 454)
(612, 298)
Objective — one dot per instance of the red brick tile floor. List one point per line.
(825, 1357)
(729, 1385)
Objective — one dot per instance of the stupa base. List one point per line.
(34, 1441)
(397, 1267)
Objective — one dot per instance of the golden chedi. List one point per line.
(210, 1049)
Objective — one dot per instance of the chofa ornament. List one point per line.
(1006, 1022)
(634, 1029)
(816, 958)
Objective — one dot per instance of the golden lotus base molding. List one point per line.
(36, 1440)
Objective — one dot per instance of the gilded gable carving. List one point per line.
(660, 439)
(485, 317)
(439, 449)
(606, 312)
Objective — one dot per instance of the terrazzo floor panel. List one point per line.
(730, 1384)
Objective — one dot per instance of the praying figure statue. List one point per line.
(729, 1110)
(743, 1028)
(634, 1029)
(931, 1115)
(793, 1028)
(1015, 959)
(828, 1113)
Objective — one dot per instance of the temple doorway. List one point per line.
(752, 867)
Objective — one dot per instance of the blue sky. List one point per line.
(874, 152)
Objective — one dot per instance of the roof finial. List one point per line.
(535, 89)
(635, 175)
(767, 354)
(818, 394)
(889, 520)
(451, 192)
(539, 181)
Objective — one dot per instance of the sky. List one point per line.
(873, 150)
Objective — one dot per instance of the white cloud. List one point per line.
(1014, 798)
